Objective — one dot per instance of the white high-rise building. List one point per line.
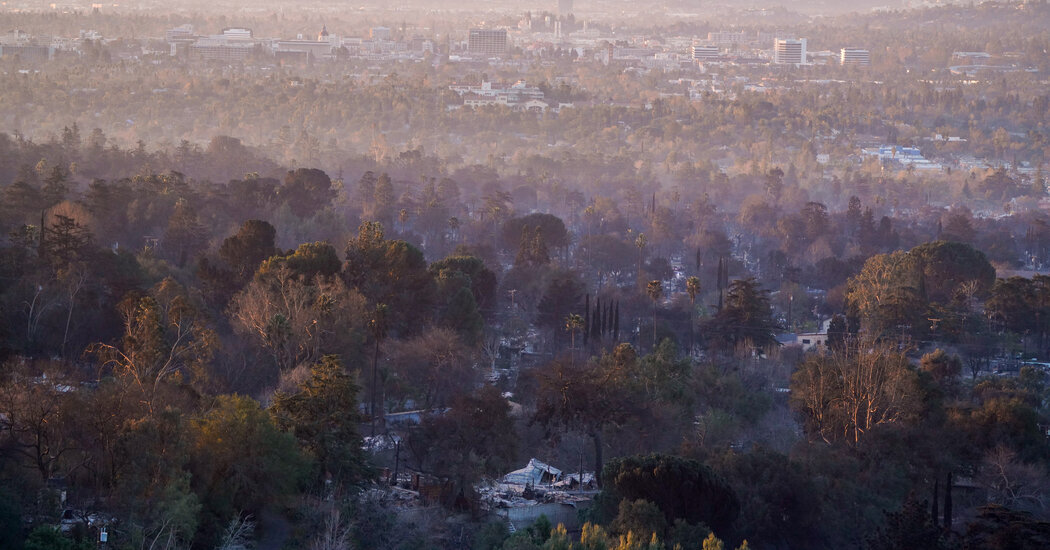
(789, 51)
(854, 56)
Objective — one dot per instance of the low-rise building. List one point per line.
(705, 52)
(906, 157)
(234, 44)
(854, 56)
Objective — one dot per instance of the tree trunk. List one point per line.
(692, 330)
(375, 370)
(69, 317)
(654, 325)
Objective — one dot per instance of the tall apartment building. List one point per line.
(487, 42)
(789, 51)
(564, 7)
(854, 56)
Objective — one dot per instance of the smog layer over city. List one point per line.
(501, 275)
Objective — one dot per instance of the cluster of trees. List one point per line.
(172, 465)
(424, 305)
(635, 137)
(123, 386)
(743, 131)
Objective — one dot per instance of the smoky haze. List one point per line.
(492, 275)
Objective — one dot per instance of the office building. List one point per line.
(237, 34)
(211, 49)
(307, 49)
(182, 32)
(28, 52)
(703, 52)
(487, 42)
(180, 39)
(726, 38)
(234, 44)
(380, 33)
(854, 56)
(789, 51)
(217, 49)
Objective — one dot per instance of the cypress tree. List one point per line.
(596, 329)
(601, 321)
(948, 502)
(586, 319)
(603, 314)
(723, 280)
(936, 490)
(607, 333)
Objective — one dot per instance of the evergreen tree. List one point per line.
(323, 416)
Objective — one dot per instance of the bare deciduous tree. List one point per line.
(335, 536)
(294, 320)
(238, 534)
(844, 395)
(1013, 483)
(165, 334)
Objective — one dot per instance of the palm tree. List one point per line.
(377, 325)
(402, 217)
(655, 291)
(692, 287)
(573, 323)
